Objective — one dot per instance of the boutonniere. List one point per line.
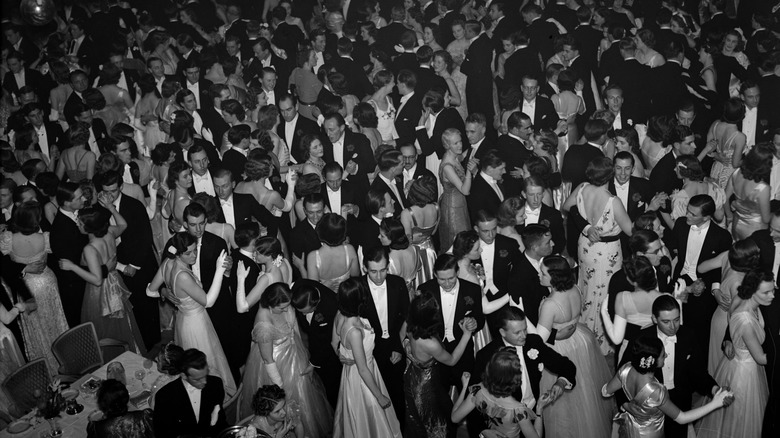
(318, 317)
(630, 122)
(350, 148)
(299, 132)
(636, 197)
(763, 122)
(533, 353)
(468, 301)
(503, 253)
(545, 222)
(541, 367)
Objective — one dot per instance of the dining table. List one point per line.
(75, 426)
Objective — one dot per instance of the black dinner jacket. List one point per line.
(254, 72)
(348, 195)
(545, 116)
(363, 232)
(555, 223)
(639, 191)
(524, 61)
(633, 77)
(716, 241)
(203, 87)
(669, 88)
(483, 197)
(663, 178)
(304, 239)
(690, 366)
(173, 414)
(543, 34)
(419, 171)
(214, 122)
(32, 78)
(589, 39)
(575, 162)
(545, 358)
(320, 330)
(137, 245)
(447, 118)
(379, 184)
(515, 154)
(390, 35)
(610, 62)
(69, 109)
(397, 308)
(354, 144)
(234, 161)
(506, 252)
(477, 66)
(427, 79)
(406, 60)
(303, 127)
(211, 152)
(357, 82)
(469, 304)
(55, 136)
(584, 71)
(524, 284)
(246, 208)
(406, 119)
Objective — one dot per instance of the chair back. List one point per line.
(20, 386)
(230, 407)
(78, 350)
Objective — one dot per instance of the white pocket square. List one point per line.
(214, 415)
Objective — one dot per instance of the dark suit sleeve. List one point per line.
(264, 216)
(366, 161)
(481, 361)
(553, 361)
(425, 142)
(164, 416)
(696, 367)
(137, 238)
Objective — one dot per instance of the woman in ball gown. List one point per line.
(505, 415)
(363, 408)
(650, 397)
(404, 260)
(278, 355)
(456, 184)
(11, 357)
(511, 214)
(179, 182)
(118, 102)
(467, 252)
(598, 260)
(725, 142)
(383, 105)
(334, 256)
(27, 245)
(193, 327)
(420, 221)
(428, 404)
(750, 187)
(106, 301)
(168, 365)
(689, 170)
(734, 264)
(581, 410)
(634, 307)
(311, 151)
(145, 117)
(745, 372)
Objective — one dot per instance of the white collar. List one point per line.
(454, 290)
(411, 171)
(190, 389)
(251, 255)
(406, 97)
(376, 219)
(617, 184)
(293, 121)
(243, 152)
(703, 227)
(488, 178)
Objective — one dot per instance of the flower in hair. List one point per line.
(646, 362)
(172, 249)
(278, 261)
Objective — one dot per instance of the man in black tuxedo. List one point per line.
(466, 298)
(524, 287)
(664, 176)
(430, 10)
(128, 77)
(696, 239)
(524, 61)
(390, 35)
(719, 22)
(386, 306)
(339, 195)
(669, 87)
(82, 47)
(513, 328)
(351, 150)
(427, 79)
(316, 310)
(571, 52)
(294, 126)
(79, 82)
(501, 27)
(499, 253)
(588, 35)
(19, 76)
(515, 148)
(176, 411)
(688, 354)
(612, 58)
(614, 102)
(264, 57)
(67, 242)
(303, 238)
(476, 66)
(358, 83)
(97, 127)
(188, 56)
(537, 212)
(364, 233)
(21, 44)
(390, 167)
(211, 113)
(539, 108)
(635, 193)
(541, 31)
(476, 131)
(409, 107)
(135, 255)
(408, 59)
(234, 159)
(755, 125)
(565, 15)
(239, 208)
(192, 81)
(447, 125)
(487, 191)
(633, 78)
(445, 23)
(51, 139)
(576, 159)
(414, 168)
(245, 236)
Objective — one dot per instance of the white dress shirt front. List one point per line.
(696, 238)
(194, 394)
(227, 209)
(195, 88)
(488, 257)
(338, 151)
(532, 215)
(43, 140)
(203, 183)
(449, 301)
(622, 192)
(289, 130)
(334, 198)
(668, 369)
(379, 294)
(196, 266)
(529, 108)
(749, 125)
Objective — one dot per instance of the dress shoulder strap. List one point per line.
(78, 164)
(317, 259)
(346, 257)
(414, 219)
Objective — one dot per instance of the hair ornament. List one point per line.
(647, 362)
(278, 261)
(172, 249)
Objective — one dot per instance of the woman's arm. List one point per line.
(615, 330)
(206, 299)
(94, 275)
(713, 263)
(670, 409)
(244, 302)
(736, 159)
(546, 319)
(312, 270)
(7, 316)
(489, 307)
(571, 201)
(354, 266)
(267, 354)
(463, 186)
(763, 204)
(121, 223)
(709, 79)
(621, 217)
(463, 405)
(455, 98)
(754, 347)
(355, 342)
(612, 386)
(60, 167)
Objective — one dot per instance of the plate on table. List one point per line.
(18, 426)
(70, 393)
(91, 385)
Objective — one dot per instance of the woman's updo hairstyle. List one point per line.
(561, 274)
(640, 271)
(752, 282)
(266, 398)
(351, 298)
(169, 359)
(275, 294)
(600, 171)
(332, 229)
(269, 246)
(503, 374)
(179, 244)
(176, 168)
(394, 230)
(258, 167)
(689, 167)
(424, 319)
(423, 191)
(507, 211)
(645, 352)
(96, 220)
(304, 147)
(744, 255)
(464, 243)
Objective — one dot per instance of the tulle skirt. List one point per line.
(581, 412)
(358, 414)
(121, 324)
(745, 416)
